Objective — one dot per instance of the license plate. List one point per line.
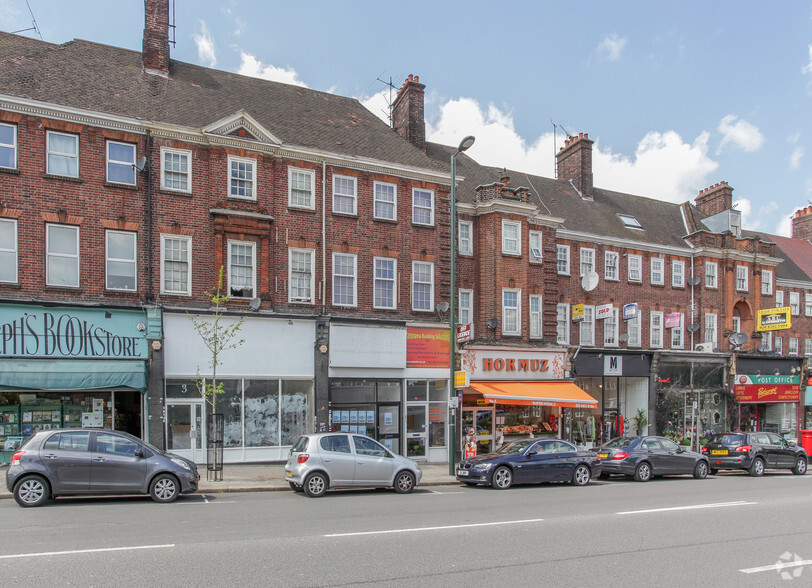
(289, 474)
(603, 455)
(718, 451)
(462, 472)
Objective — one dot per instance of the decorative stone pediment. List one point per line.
(243, 126)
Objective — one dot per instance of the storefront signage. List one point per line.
(510, 365)
(463, 333)
(629, 311)
(30, 331)
(612, 365)
(757, 389)
(577, 313)
(604, 311)
(672, 320)
(461, 379)
(773, 319)
(427, 348)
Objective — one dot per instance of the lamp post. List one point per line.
(452, 421)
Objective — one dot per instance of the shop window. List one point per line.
(261, 413)
(297, 398)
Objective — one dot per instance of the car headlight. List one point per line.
(482, 467)
(181, 463)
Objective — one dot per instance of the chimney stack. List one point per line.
(715, 199)
(407, 112)
(575, 163)
(802, 224)
(155, 52)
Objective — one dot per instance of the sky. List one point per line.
(677, 96)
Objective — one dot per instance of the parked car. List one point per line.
(333, 460)
(648, 456)
(69, 462)
(754, 452)
(530, 461)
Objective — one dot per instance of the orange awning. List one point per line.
(563, 394)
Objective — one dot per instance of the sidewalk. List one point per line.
(269, 477)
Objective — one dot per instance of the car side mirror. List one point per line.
(531, 453)
(138, 453)
(680, 449)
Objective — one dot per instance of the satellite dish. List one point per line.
(141, 163)
(738, 338)
(590, 281)
(763, 348)
(442, 307)
(694, 281)
(693, 327)
(491, 324)
(623, 338)
(254, 304)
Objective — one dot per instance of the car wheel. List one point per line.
(581, 475)
(800, 466)
(757, 468)
(643, 472)
(295, 487)
(713, 472)
(502, 478)
(701, 470)
(404, 482)
(164, 488)
(315, 485)
(32, 491)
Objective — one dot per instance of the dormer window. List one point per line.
(629, 221)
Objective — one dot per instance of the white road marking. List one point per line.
(691, 507)
(778, 566)
(79, 551)
(416, 529)
(438, 492)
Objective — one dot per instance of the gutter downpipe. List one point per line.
(323, 236)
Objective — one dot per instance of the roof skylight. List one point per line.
(629, 221)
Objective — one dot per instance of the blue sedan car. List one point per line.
(531, 461)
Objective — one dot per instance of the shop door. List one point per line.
(184, 430)
(389, 427)
(478, 423)
(416, 431)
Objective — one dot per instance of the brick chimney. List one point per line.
(155, 52)
(715, 199)
(802, 224)
(407, 112)
(575, 163)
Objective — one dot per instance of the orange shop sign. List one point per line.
(427, 348)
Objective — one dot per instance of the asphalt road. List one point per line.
(728, 530)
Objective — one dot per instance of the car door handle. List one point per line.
(51, 456)
(100, 459)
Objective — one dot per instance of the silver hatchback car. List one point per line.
(333, 460)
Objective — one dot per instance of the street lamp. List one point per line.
(465, 144)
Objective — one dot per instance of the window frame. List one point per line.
(393, 203)
(310, 173)
(506, 240)
(742, 278)
(792, 347)
(252, 245)
(535, 246)
(679, 330)
(345, 197)
(415, 264)
(634, 329)
(711, 277)
(589, 320)
(467, 308)
(311, 281)
(108, 259)
(559, 249)
(611, 273)
(638, 262)
(188, 173)
(656, 329)
(13, 146)
(416, 207)
(187, 239)
(807, 303)
(517, 308)
(779, 298)
(376, 280)
(779, 345)
(536, 326)
(246, 160)
(711, 332)
(766, 282)
(14, 251)
(562, 323)
(49, 255)
(611, 329)
(807, 346)
(465, 244)
(657, 266)
(677, 277)
(49, 153)
(794, 303)
(590, 262)
(354, 277)
(121, 163)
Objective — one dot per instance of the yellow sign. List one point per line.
(461, 379)
(773, 319)
(577, 312)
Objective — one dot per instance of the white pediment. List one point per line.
(230, 126)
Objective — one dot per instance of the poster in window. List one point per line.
(345, 416)
(354, 417)
(370, 417)
(98, 405)
(387, 418)
(388, 444)
(345, 428)
(27, 416)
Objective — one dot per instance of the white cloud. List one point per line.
(751, 220)
(251, 66)
(807, 69)
(206, 48)
(739, 133)
(611, 47)
(795, 158)
(784, 228)
(378, 104)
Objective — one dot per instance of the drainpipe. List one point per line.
(323, 237)
(149, 296)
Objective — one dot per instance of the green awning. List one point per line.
(72, 374)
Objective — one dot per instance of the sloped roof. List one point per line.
(95, 77)
(796, 254)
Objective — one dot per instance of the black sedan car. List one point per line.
(646, 457)
(529, 461)
(754, 452)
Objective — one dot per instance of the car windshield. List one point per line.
(728, 439)
(515, 446)
(619, 442)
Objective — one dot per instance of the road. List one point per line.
(727, 530)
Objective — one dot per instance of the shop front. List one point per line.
(67, 367)
(515, 393)
(768, 395)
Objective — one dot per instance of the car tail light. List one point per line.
(15, 459)
(744, 449)
(303, 457)
(620, 455)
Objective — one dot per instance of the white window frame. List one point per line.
(779, 345)
(511, 245)
(678, 334)
(634, 331)
(465, 242)
(187, 174)
(383, 202)
(562, 323)
(430, 306)
(535, 246)
(611, 327)
(635, 266)
(711, 330)
(742, 278)
(656, 328)
(779, 298)
(11, 146)
(792, 346)
(562, 259)
(187, 240)
(767, 340)
(508, 310)
(766, 282)
(677, 275)
(297, 275)
(345, 198)
(536, 316)
(420, 207)
(658, 271)
(252, 245)
(465, 308)
(133, 262)
(10, 254)
(62, 256)
(795, 303)
(249, 162)
(807, 303)
(381, 281)
(587, 255)
(60, 154)
(349, 277)
(737, 324)
(611, 266)
(711, 274)
(807, 346)
(586, 328)
(295, 191)
(128, 165)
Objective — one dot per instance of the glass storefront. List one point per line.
(619, 399)
(778, 417)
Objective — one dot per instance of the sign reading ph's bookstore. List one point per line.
(773, 319)
(757, 389)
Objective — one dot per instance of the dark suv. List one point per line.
(754, 452)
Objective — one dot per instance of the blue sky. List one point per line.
(678, 96)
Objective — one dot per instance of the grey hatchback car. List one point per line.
(89, 461)
(331, 460)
